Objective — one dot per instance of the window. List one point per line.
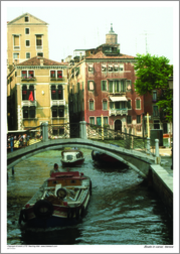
(123, 86)
(56, 74)
(129, 120)
(39, 41)
(110, 68)
(27, 74)
(121, 67)
(28, 92)
(15, 56)
(91, 104)
(26, 19)
(56, 92)
(116, 87)
(105, 119)
(98, 119)
(117, 104)
(139, 119)
(115, 67)
(27, 31)
(156, 124)
(138, 104)
(110, 86)
(90, 68)
(29, 112)
(155, 111)
(129, 104)
(16, 42)
(91, 119)
(154, 96)
(104, 104)
(27, 43)
(111, 105)
(28, 55)
(91, 85)
(103, 85)
(40, 54)
(103, 68)
(58, 111)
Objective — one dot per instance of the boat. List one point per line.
(106, 160)
(62, 200)
(72, 157)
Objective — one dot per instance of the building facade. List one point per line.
(102, 84)
(38, 93)
(27, 37)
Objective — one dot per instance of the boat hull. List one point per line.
(72, 163)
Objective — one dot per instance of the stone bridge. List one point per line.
(135, 159)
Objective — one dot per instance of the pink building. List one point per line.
(101, 82)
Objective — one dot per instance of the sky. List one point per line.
(141, 26)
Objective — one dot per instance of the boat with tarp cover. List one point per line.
(62, 200)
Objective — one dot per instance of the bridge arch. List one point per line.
(121, 154)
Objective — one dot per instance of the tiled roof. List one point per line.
(35, 61)
(100, 54)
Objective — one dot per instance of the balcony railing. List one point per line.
(28, 78)
(116, 112)
(28, 103)
(57, 79)
(57, 102)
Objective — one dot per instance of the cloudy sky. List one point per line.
(141, 26)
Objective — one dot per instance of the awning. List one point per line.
(118, 98)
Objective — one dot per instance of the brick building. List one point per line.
(102, 83)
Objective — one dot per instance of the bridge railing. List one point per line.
(83, 130)
(122, 139)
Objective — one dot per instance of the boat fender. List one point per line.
(22, 216)
(43, 209)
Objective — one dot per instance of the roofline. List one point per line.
(9, 22)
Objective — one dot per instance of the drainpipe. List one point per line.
(157, 157)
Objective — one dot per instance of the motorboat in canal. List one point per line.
(106, 160)
(61, 201)
(72, 157)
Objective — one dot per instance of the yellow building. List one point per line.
(38, 93)
(27, 37)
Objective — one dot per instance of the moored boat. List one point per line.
(72, 157)
(62, 200)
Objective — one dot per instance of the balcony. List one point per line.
(58, 103)
(28, 78)
(28, 103)
(115, 112)
(57, 79)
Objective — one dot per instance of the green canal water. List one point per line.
(122, 210)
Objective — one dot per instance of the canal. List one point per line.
(122, 210)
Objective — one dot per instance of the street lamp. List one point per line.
(170, 82)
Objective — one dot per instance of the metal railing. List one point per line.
(75, 130)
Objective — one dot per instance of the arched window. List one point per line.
(104, 104)
(91, 104)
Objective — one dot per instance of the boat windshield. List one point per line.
(69, 157)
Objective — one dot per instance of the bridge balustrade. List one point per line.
(83, 130)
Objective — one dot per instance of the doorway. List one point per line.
(118, 125)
